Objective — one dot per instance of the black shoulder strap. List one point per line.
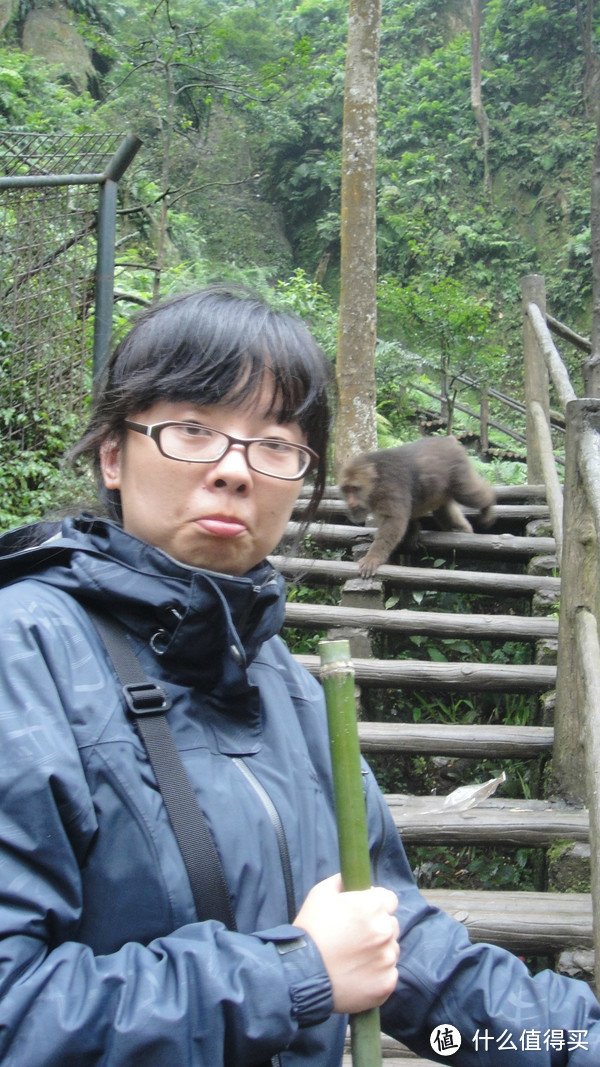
(149, 703)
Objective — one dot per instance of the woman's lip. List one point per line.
(221, 526)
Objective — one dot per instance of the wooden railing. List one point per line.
(575, 515)
(479, 412)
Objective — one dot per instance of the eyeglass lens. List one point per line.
(201, 444)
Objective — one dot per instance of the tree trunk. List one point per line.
(476, 101)
(591, 366)
(166, 127)
(580, 591)
(357, 426)
(591, 96)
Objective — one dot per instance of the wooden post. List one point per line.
(580, 590)
(484, 421)
(533, 291)
(359, 593)
(589, 667)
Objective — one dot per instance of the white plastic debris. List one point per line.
(466, 796)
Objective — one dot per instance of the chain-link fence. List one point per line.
(50, 192)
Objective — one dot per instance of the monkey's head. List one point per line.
(356, 481)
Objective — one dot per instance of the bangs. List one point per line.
(220, 357)
(280, 377)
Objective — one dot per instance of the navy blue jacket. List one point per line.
(102, 960)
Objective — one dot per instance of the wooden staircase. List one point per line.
(496, 568)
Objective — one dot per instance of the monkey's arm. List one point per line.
(391, 529)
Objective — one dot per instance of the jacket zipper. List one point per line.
(284, 853)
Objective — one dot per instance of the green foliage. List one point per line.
(503, 471)
(35, 434)
(473, 868)
(32, 98)
(441, 316)
(240, 110)
(34, 485)
(305, 298)
(245, 104)
(33, 479)
(305, 641)
(452, 332)
(386, 437)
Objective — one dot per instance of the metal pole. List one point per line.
(105, 255)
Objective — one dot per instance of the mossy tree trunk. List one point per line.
(591, 93)
(357, 427)
(476, 100)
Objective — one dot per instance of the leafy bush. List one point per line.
(32, 485)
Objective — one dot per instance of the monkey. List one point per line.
(399, 485)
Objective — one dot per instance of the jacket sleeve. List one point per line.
(201, 996)
(505, 1016)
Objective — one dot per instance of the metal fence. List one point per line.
(57, 236)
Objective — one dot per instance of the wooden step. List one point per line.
(499, 820)
(464, 677)
(525, 492)
(318, 571)
(494, 546)
(456, 739)
(526, 923)
(441, 624)
(336, 508)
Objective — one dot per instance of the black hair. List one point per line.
(212, 346)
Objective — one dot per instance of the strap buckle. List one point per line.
(146, 698)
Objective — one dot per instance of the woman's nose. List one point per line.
(232, 469)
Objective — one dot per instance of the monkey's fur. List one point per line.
(399, 485)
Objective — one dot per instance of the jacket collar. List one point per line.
(204, 626)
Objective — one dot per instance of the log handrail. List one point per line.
(589, 666)
(553, 487)
(589, 466)
(556, 368)
(576, 525)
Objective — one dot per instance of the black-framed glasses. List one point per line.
(191, 442)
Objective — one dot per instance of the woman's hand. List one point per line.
(357, 936)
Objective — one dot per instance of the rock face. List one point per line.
(6, 10)
(51, 34)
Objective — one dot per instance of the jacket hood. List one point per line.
(207, 623)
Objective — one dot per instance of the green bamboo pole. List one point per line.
(337, 677)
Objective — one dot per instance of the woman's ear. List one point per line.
(110, 463)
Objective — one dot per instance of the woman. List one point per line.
(211, 413)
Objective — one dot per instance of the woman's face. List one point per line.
(220, 516)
